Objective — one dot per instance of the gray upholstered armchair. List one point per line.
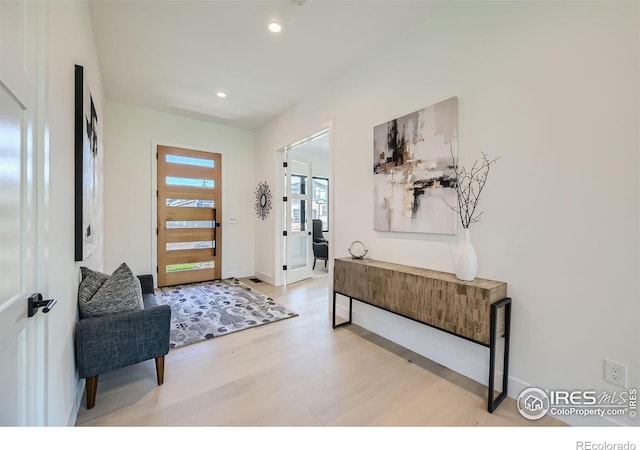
(320, 244)
(118, 340)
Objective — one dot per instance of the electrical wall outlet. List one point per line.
(615, 373)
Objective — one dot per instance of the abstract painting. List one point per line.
(86, 168)
(413, 171)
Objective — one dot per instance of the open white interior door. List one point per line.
(22, 338)
(298, 248)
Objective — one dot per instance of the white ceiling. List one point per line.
(173, 56)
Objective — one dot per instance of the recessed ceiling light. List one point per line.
(221, 94)
(275, 27)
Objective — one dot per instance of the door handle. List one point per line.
(215, 227)
(35, 301)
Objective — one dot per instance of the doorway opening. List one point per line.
(306, 233)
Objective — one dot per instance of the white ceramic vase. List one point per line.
(466, 259)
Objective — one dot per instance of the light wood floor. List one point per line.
(296, 372)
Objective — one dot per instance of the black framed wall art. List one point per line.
(86, 167)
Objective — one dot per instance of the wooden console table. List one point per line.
(478, 310)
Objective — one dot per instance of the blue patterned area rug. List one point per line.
(202, 311)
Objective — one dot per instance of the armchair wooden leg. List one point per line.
(160, 369)
(92, 389)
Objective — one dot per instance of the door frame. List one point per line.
(279, 209)
(154, 200)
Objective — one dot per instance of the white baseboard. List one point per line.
(264, 277)
(76, 403)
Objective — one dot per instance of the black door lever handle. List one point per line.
(35, 301)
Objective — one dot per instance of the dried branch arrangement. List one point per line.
(469, 186)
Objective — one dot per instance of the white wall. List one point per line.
(319, 161)
(70, 42)
(316, 153)
(130, 168)
(552, 88)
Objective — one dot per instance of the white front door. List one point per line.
(22, 339)
(298, 220)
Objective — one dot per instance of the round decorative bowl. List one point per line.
(357, 250)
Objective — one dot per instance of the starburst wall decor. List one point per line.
(263, 200)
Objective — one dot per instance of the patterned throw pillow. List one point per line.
(91, 282)
(100, 294)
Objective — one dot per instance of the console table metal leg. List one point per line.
(492, 403)
(334, 312)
